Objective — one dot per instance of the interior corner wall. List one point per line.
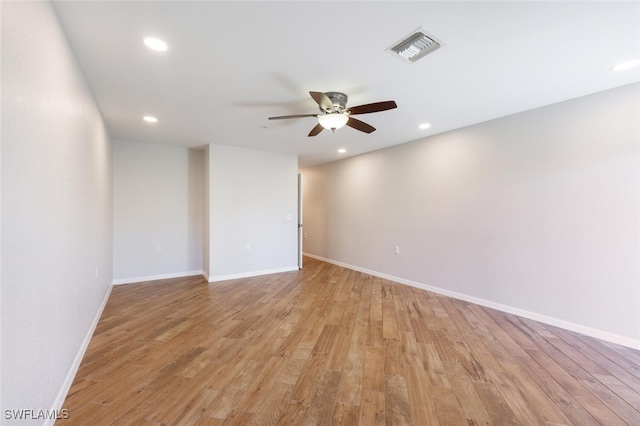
(253, 212)
(56, 210)
(537, 211)
(205, 220)
(158, 195)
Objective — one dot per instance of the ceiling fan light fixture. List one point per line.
(333, 121)
(335, 115)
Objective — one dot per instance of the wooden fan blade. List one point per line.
(316, 130)
(360, 125)
(322, 100)
(374, 107)
(292, 116)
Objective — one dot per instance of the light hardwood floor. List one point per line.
(327, 345)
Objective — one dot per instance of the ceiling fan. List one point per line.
(335, 114)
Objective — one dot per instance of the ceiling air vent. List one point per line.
(414, 46)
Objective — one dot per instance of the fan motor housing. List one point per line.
(339, 101)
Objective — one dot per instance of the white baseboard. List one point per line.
(121, 281)
(567, 325)
(68, 381)
(216, 278)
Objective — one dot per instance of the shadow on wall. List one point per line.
(195, 210)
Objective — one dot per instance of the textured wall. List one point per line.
(537, 211)
(157, 210)
(56, 209)
(253, 211)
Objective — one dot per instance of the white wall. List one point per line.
(56, 210)
(207, 213)
(535, 212)
(157, 211)
(250, 195)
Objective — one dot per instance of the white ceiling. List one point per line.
(230, 65)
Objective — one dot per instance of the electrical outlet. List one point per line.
(397, 250)
(247, 246)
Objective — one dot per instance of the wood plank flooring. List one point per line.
(327, 345)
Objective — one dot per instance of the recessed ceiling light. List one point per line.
(626, 65)
(342, 150)
(150, 119)
(155, 44)
(424, 126)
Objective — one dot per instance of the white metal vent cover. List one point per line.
(415, 46)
